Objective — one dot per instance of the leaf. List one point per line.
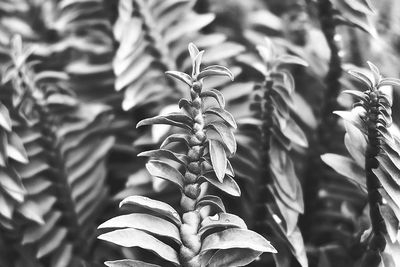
(375, 72)
(346, 167)
(356, 94)
(223, 114)
(11, 183)
(165, 171)
(16, 150)
(215, 70)
(135, 238)
(232, 257)
(390, 186)
(55, 239)
(362, 77)
(216, 95)
(293, 132)
(193, 51)
(289, 59)
(228, 185)
(174, 119)
(236, 238)
(153, 205)
(196, 65)
(353, 117)
(390, 202)
(147, 223)
(183, 77)
(390, 81)
(221, 220)
(183, 138)
(218, 158)
(226, 134)
(165, 153)
(5, 121)
(213, 201)
(391, 222)
(129, 263)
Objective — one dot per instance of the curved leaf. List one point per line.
(218, 158)
(228, 185)
(129, 263)
(217, 95)
(153, 205)
(136, 238)
(237, 238)
(221, 220)
(181, 76)
(145, 222)
(174, 119)
(213, 201)
(223, 114)
(165, 171)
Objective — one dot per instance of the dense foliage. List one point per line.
(217, 126)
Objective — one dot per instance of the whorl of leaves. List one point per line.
(152, 37)
(199, 236)
(64, 179)
(278, 133)
(373, 164)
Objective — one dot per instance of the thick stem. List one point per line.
(328, 119)
(191, 219)
(377, 243)
(265, 109)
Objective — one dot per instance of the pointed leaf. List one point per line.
(221, 220)
(129, 263)
(174, 119)
(5, 121)
(147, 223)
(165, 171)
(216, 95)
(215, 70)
(165, 153)
(237, 238)
(135, 238)
(346, 167)
(154, 205)
(213, 201)
(182, 138)
(226, 135)
(362, 77)
(375, 72)
(193, 51)
(228, 185)
(16, 150)
(289, 59)
(232, 257)
(183, 77)
(223, 114)
(390, 81)
(218, 158)
(196, 65)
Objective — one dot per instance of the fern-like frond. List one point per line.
(66, 143)
(372, 165)
(153, 38)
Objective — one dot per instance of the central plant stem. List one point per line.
(377, 243)
(191, 219)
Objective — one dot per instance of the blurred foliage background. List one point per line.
(79, 74)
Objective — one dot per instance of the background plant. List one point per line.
(86, 71)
